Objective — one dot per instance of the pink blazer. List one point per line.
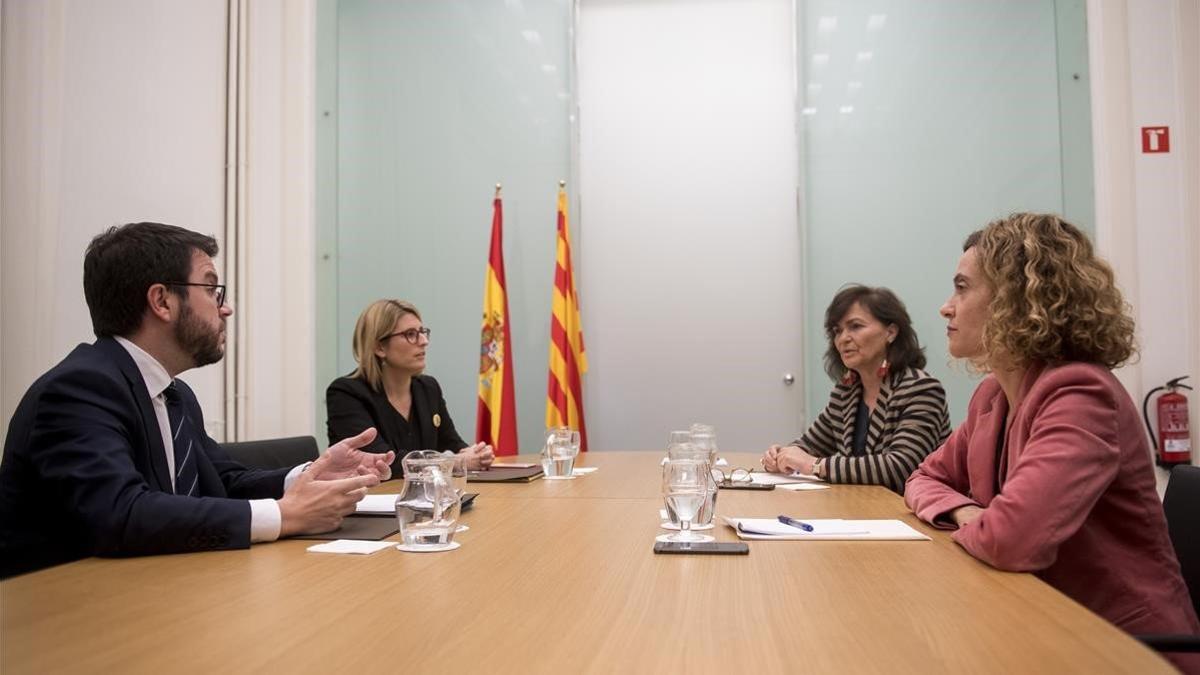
(1077, 505)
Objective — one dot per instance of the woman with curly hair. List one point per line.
(1050, 472)
(885, 413)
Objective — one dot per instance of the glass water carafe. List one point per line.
(428, 505)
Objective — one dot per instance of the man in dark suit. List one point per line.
(107, 453)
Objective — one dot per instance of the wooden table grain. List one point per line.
(559, 576)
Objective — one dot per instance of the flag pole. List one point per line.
(568, 359)
(496, 414)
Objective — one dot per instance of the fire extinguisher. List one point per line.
(1173, 445)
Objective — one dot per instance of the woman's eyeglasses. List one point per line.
(413, 335)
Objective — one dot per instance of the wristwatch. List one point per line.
(817, 467)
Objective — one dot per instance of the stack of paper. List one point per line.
(763, 478)
(771, 528)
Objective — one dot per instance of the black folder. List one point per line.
(505, 475)
(372, 527)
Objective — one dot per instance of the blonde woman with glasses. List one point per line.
(389, 390)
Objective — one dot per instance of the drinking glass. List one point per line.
(685, 489)
(678, 437)
(458, 472)
(458, 479)
(705, 436)
(559, 452)
(708, 509)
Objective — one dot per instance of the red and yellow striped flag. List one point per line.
(496, 421)
(568, 361)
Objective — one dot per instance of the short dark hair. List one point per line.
(122, 263)
(904, 352)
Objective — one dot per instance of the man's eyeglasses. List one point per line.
(216, 290)
(734, 476)
(413, 335)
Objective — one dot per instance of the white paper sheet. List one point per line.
(797, 487)
(381, 504)
(353, 546)
(823, 528)
(583, 470)
(763, 478)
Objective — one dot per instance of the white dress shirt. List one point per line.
(265, 518)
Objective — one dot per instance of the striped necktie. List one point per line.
(184, 439)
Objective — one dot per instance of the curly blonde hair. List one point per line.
(1054, 299)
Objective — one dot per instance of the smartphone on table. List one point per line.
(715, 547)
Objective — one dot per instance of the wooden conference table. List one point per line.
(559, 576)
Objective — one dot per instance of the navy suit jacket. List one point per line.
(84, 472)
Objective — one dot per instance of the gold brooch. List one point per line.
(437, 420)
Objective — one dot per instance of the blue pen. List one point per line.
(795, 523)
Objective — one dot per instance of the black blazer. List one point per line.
(353, 406)
(85, 473)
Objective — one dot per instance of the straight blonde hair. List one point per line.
(374, 324)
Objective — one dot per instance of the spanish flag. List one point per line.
(568, 361)
(496, 421)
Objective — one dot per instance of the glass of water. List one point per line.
(685, 489)
(700, 453)
(559, 452)
(458, 473)
(705, 436)
(678, 438)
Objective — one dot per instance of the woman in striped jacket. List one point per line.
(885, 414)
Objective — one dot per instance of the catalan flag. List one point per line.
(568, 361)
(496, 421)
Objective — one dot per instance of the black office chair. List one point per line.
(1182, 507)
(273, 453)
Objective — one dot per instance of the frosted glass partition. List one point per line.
(432, 104)
(922, 121)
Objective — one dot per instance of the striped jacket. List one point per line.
(910, 420)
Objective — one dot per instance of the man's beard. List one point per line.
(197, 339)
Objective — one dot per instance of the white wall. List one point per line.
(115, 112)
(1145, 73)
(690, 264)
(896, 182)
(112, 112)
(280, 288)
(415, 133)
